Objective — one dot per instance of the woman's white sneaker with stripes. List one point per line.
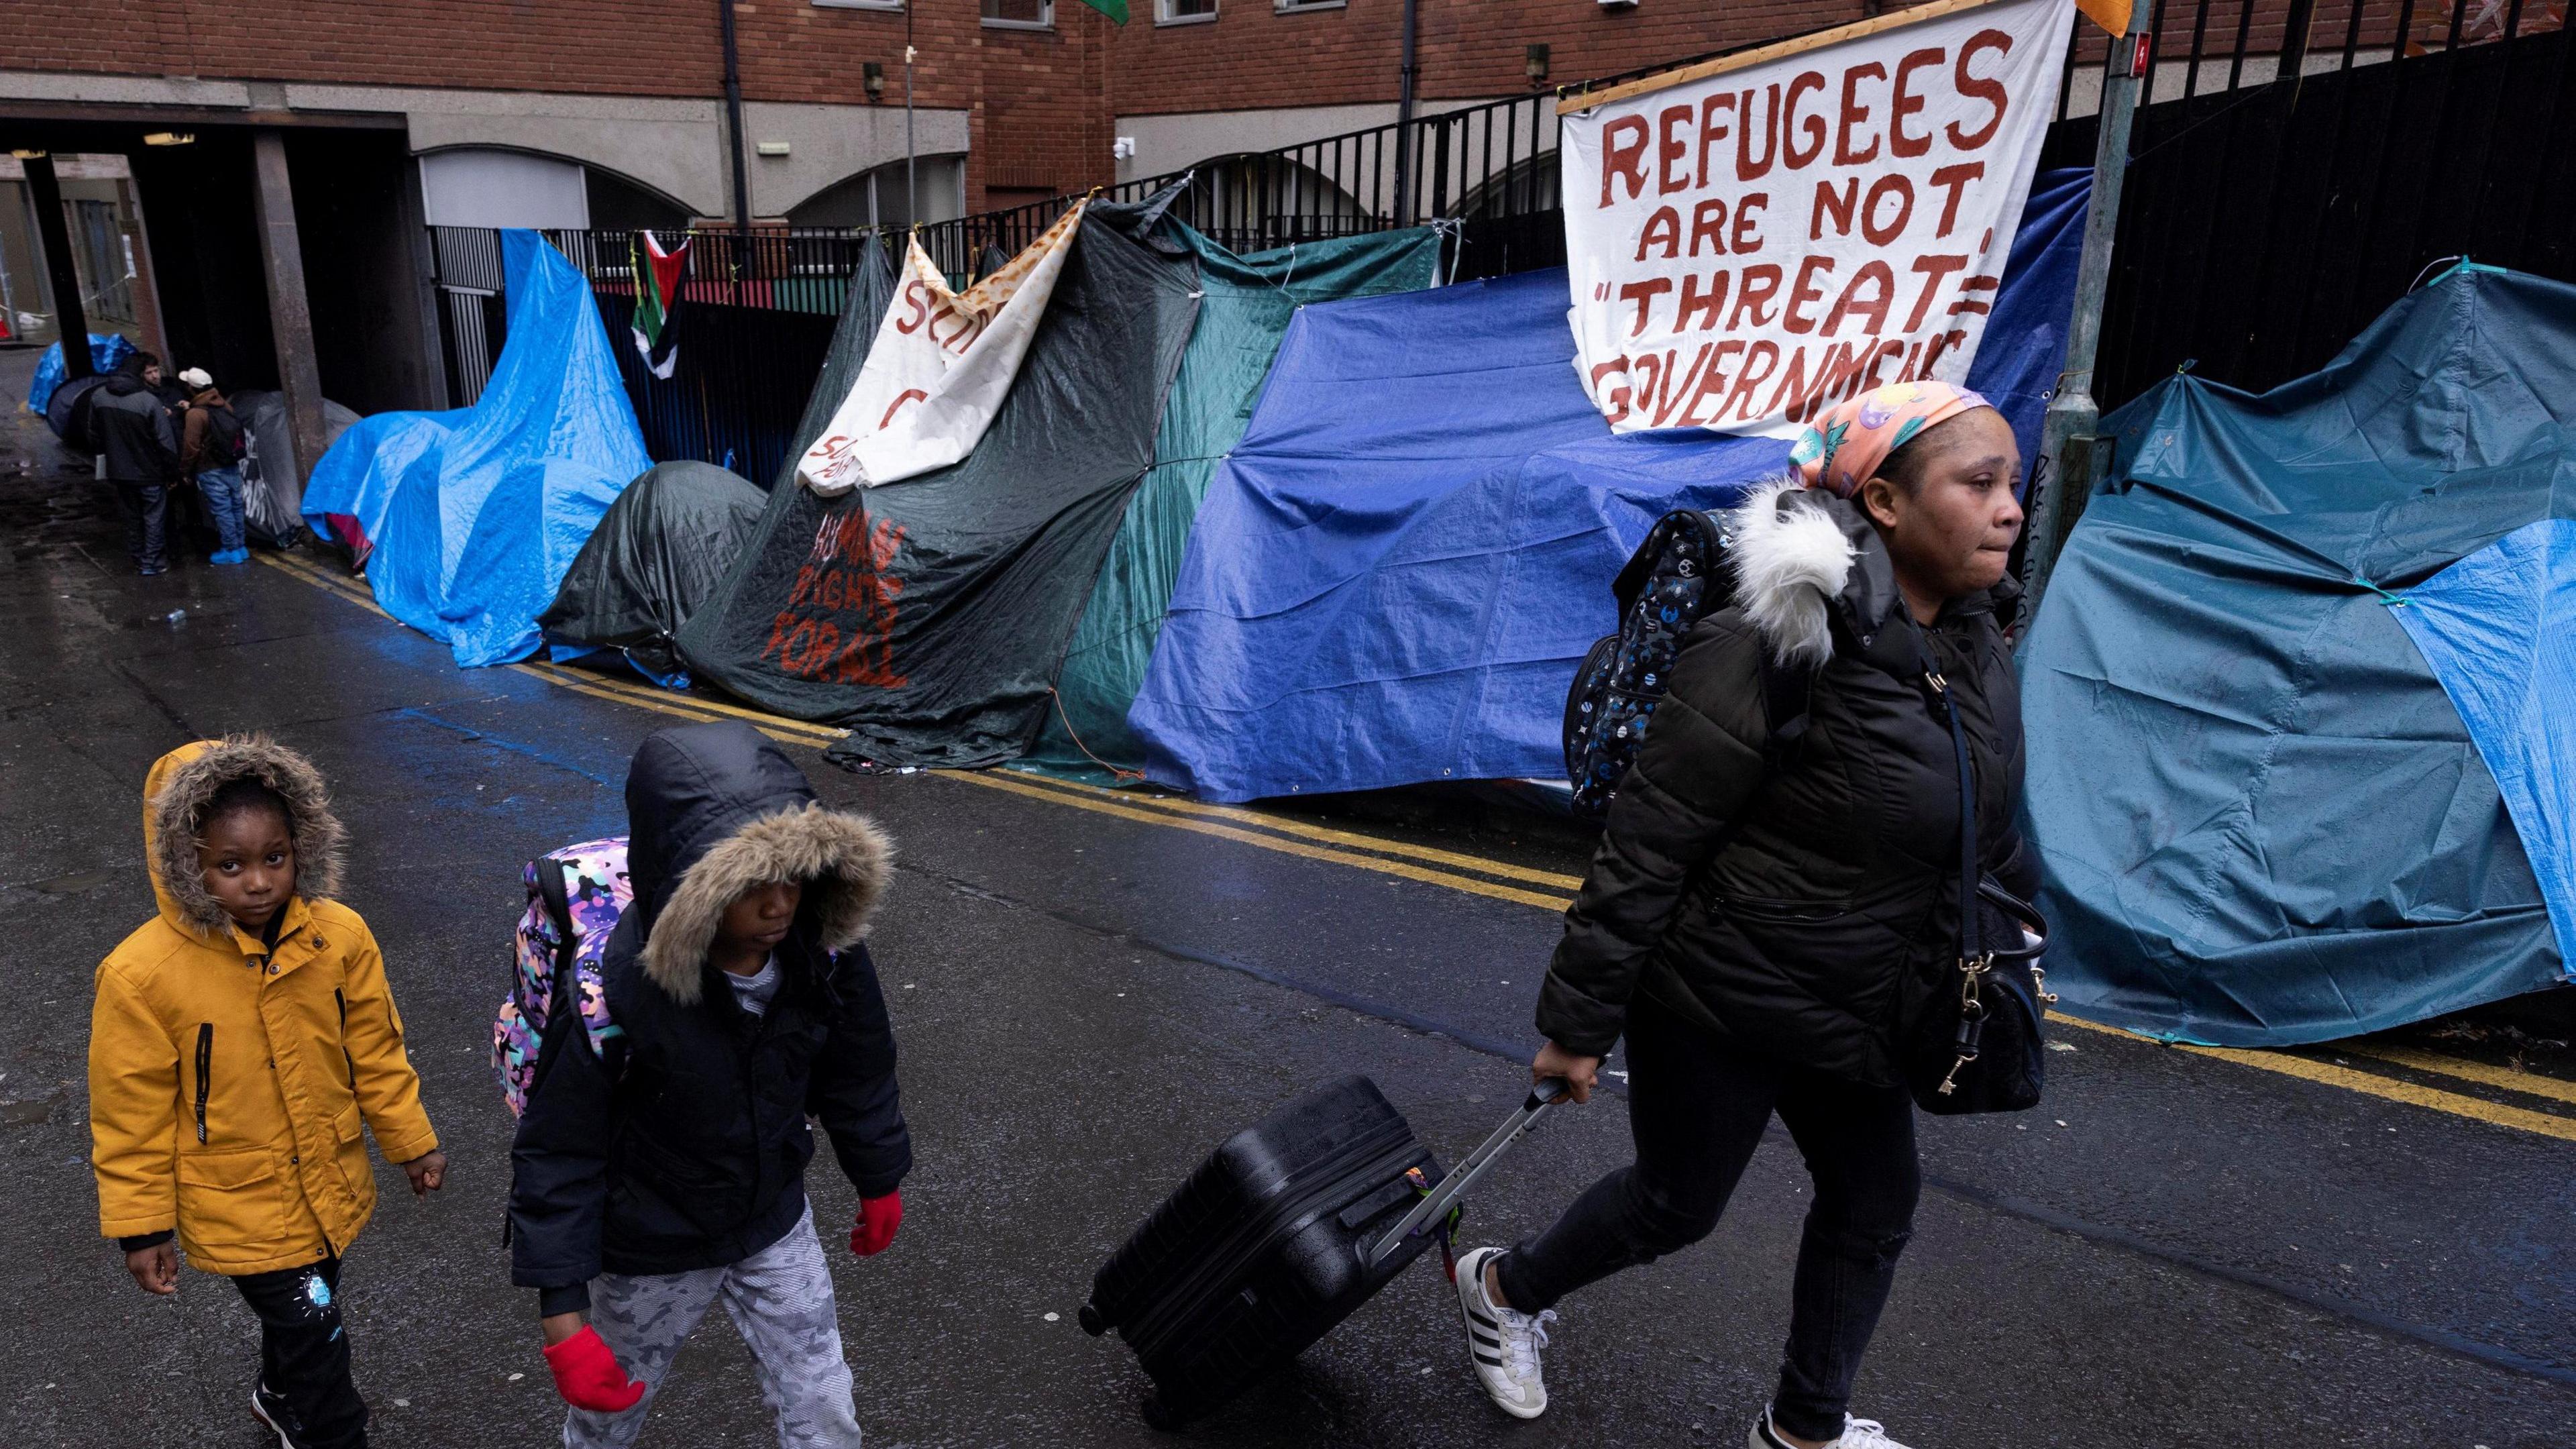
(1502, 1345)
(1856, 1434)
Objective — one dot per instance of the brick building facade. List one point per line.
(633, 88)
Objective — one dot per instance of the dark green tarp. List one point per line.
(2262, 819)
(658, 553)
(1244, 313)
(928, 616)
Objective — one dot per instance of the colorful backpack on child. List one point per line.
(575, 896)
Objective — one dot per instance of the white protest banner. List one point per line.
(940, 366)
(1756, 237)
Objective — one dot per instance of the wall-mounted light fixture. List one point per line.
(771, 148)
(1534, 65)
(170, 138)
(872, 75)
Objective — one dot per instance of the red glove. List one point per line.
(878, 1218)
(587, 1375)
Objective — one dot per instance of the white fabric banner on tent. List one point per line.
(940, 366)
(1748, 248)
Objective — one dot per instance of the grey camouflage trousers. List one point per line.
(779, 1298)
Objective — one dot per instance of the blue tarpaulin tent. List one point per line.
(2297, 699)
(473, 516)
(106, 350)
(1398, 568)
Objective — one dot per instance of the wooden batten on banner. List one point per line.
(2111, 15)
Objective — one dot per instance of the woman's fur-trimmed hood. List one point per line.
(842, 861)
(185, 781)
(714, 810)
(1793, 557)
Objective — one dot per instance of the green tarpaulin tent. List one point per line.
(928, 615)
(1245, 311)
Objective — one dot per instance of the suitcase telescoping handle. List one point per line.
(1464, 1177)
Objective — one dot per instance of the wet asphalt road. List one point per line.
(2174, 1250)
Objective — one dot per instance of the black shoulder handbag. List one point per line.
(1975, 1044)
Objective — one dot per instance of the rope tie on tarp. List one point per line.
(1122, 776)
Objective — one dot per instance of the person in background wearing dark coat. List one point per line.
(210, 451)
(130, 430)
(1755, 921)
(668, 1173)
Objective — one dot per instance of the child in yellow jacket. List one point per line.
(238, 1041)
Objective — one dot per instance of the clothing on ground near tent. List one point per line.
(929, 616)
(1248, 303)
(2222, 654)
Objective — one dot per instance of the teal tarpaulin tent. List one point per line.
(2288, 655)
(1246, 309)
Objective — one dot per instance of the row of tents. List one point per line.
(1309, 521)
(1298, 522)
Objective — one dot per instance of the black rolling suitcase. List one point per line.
(1285, 1230)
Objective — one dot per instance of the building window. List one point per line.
(1285, 6)
(1020, 14)
(860, 4)
(1183, 12)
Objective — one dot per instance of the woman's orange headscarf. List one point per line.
(1844, 448)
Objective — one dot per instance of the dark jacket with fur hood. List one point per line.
(686, 1147)
(1802, 909)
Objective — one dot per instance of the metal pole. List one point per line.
(1404, 119)
(741, 178)
(2066, 441)
(911, 188)
(290, 313)
(54, 236)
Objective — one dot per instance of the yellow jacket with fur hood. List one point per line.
(227, 1082)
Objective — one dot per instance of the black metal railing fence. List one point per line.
(2276, 201)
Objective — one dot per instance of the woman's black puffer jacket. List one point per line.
(1798, 906)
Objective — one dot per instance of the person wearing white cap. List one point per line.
(211, 447)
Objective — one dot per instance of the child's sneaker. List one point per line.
(272, 1413)
(230, 556)
(1856, 1434)
(1502, 1345)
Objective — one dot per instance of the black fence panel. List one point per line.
(2263, 227)
(738, 389)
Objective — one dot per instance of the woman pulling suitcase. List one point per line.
(1759, 910)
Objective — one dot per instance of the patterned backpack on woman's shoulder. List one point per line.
(1684, 571)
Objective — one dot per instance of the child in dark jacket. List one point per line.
(666, 1171)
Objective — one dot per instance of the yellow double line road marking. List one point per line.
(1112, 804)
(2393, 1089)
(1503, 881)
(615, 691)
